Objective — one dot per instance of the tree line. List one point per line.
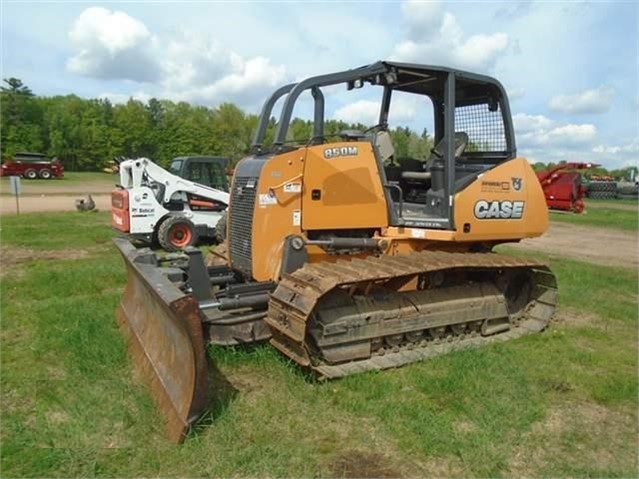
(86, 134)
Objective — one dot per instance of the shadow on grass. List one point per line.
(221, 394)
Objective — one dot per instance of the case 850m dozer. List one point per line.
(346, 260)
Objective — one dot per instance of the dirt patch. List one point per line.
(362, 465)
(64, 186)
(49, 203)
(574, 317)
(443, 467)
(586, 435)
(13, 256)
(571, 318)
(464, 427)
(603, 246)
(251, 383)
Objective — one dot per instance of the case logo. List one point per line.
(500, 210)
(517, 183)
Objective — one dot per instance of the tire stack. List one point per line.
(602, 190)
(627, 190)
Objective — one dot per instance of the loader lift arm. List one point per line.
(140, 171)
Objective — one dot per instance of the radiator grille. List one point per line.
(241, 222)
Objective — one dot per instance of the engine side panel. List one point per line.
(278, 212)
(342, 188)
(505, 203)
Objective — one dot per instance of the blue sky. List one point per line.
(571, 68)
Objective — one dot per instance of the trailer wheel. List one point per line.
(46, 174)
(176, 233)
(31, 174)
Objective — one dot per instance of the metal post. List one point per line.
(449, 154)
(15, 191)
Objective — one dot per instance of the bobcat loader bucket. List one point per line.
(163, 327)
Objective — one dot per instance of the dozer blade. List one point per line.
(163, 327)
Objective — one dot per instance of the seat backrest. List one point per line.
(384, 145)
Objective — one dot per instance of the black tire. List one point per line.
(608, 195)
(602, 186)
(628, 189)
(176, 233)
(220, 229)
(45, 174)
(31, 174)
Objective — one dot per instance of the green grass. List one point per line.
(601, 217)
(562, 403)
(615, 202)
(56, 231)
(82, 176)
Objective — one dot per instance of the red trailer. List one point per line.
(32, 166)
(562, 187)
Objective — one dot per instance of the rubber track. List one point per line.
(298, 293)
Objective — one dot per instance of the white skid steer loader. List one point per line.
(153, 205)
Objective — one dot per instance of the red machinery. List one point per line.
(563, 188)
(32, 166)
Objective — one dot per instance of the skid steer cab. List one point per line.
(153, 205)
(211, 171)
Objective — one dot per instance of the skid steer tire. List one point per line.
(628, 190)
(176, 233)
(220, 229)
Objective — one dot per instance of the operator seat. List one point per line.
(437, 153)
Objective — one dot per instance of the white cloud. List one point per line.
(570, 135)
(597, 100)
(112, 45)
(186, 66)
(362, 111)
(403, 110)
(192, 59)
(531, 123)
(424, 18)
(450, 46)
(245, 83)
(516, 93)
(629, 148)
(538, 130)
(115, 31)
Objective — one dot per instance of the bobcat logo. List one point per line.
(516, 183)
